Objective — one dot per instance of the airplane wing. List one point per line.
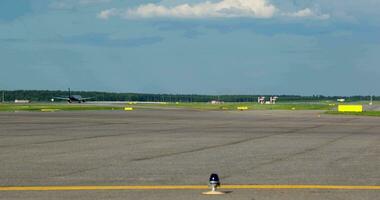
(87, 98)
(63, 98)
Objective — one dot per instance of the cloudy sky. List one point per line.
(329, 47)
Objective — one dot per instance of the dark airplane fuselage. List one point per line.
(76, 98)
(73, 98)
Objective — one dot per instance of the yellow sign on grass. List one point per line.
(242, 108)
(49, 110)
(128, 108)
(350, 108)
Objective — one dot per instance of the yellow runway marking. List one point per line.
(320, 187)
(190, 187)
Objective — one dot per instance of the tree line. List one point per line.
(47, 95)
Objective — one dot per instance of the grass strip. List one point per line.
(365, 113)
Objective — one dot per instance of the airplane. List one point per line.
(73, 98)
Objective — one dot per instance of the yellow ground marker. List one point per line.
(350, 108)
(190, 187)
(128, 108)
(49, 110)
(242, 108)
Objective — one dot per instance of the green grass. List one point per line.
(251, 106)
(365, 113)
(54, 107)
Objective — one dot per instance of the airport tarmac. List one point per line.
(156, 148)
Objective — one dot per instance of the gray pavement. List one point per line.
(170, 147)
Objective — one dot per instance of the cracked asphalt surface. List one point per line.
(183, 147)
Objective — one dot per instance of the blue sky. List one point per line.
(305, 47)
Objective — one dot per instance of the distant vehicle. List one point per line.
(73, 98)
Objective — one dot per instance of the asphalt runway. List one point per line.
(183, 147)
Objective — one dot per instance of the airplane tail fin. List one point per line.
(69, 93)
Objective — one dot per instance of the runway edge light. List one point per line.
(214, 183)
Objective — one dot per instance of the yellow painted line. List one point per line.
(190, 187)
(126, 187)
(321, 187)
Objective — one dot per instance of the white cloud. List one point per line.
(303, 13)
(208, 9)
(307, 12)
(224, 8)
(105, 14)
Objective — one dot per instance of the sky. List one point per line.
(300, 47)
